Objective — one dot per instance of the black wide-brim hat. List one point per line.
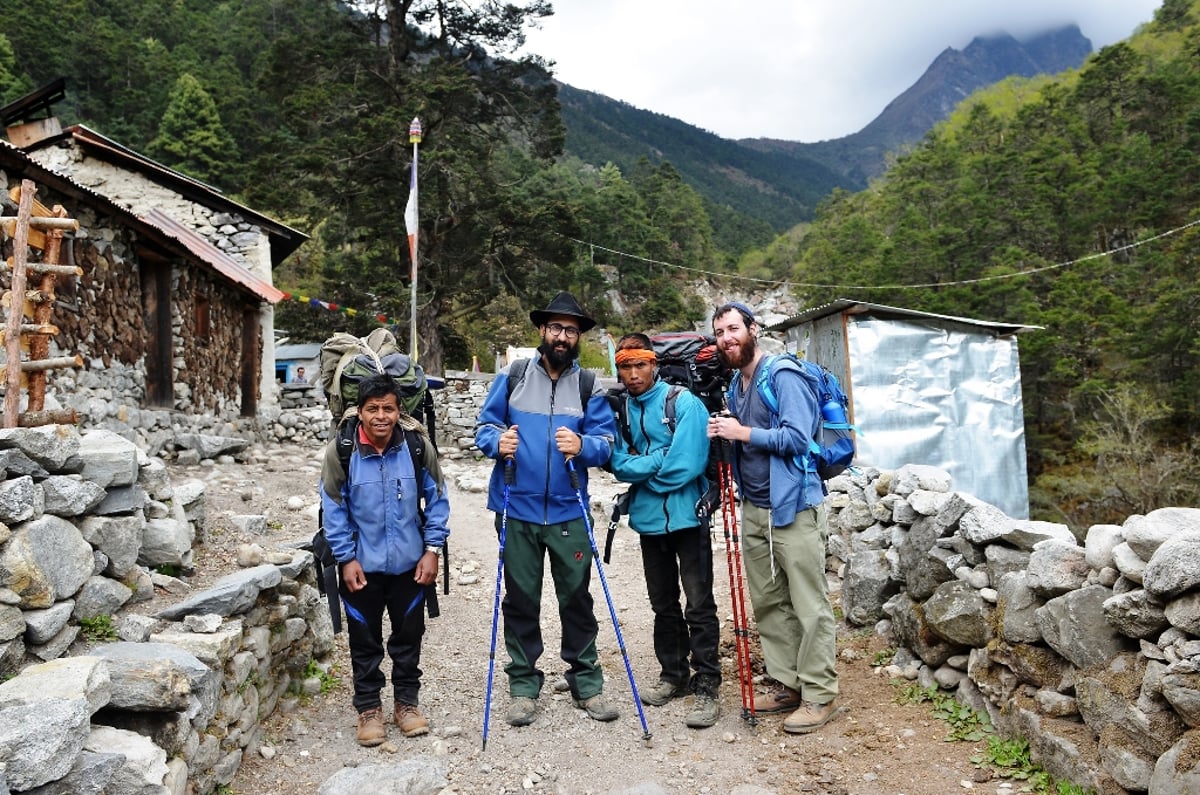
(563, 304)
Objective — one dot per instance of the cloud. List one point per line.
(801, 71)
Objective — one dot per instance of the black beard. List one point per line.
(556, 359)
(747, 355)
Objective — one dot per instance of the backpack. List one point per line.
(690, 359)
(326, 565)
(831, 450)
(346, 360)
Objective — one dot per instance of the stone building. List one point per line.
(174, 312)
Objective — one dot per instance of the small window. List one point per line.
(203, 323)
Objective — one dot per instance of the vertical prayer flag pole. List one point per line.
(411, 225)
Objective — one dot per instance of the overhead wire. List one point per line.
(923, 285)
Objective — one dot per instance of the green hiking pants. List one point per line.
(791, 602)
(526, 547)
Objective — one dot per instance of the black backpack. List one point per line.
(327, 567)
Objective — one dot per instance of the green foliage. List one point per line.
(98, 628)
(1009, 758)
(328, 676)
(966, 725)
(1045, 202)
(883, 656)
(191, 138)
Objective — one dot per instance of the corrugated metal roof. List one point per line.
(880, 310)
(224, 264)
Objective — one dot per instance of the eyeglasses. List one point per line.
(570, 332)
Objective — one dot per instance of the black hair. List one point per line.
(735, 306)
(642, 342)
(377, 386)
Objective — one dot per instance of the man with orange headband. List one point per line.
(666, 469)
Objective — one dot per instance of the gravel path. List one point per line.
(874, 746)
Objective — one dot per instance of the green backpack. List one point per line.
(346, 360)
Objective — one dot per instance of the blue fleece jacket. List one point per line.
(666, 470)
(371, 514)
(541, 492)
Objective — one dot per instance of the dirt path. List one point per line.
(875, 746)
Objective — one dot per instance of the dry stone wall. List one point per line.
(87, 525)
(1089, 650)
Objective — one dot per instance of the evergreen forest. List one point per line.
(1066, 202)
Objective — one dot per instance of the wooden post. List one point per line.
(12, 339)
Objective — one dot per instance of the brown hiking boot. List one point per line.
(780, 699)
(371, 731)
(410, 720)
(810, 716)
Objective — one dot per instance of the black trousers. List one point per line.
(682, 558)
(404, 602)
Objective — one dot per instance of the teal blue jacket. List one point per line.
(666, 470)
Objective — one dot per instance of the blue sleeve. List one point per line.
(339, 531)
(630, 468)
(598, 431)
(797, 416)
(493, 417)
(437, 512)
(687, 457)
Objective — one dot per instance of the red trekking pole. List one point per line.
(737, 597)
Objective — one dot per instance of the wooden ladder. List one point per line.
(29, 327)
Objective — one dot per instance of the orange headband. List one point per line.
(629, 355)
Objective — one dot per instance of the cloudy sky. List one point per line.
(800, 70)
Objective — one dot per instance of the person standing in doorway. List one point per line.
(784, 524)
(540, 419)
(665, 461)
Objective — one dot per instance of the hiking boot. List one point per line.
(410, 720)
(662, 692)
(371, 731)
(597, 707)
(705, 711)
(521, 711)
(810, 716)
(780, 699)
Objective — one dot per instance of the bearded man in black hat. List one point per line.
(540, 413)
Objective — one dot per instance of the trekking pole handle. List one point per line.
(510, 471)
(574, 475)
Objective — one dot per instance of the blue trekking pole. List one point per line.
(587, 522)
(487, 704)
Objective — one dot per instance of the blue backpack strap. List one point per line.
(807, 461)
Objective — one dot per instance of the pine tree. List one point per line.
(190, 137)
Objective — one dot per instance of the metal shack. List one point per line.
(927, 389)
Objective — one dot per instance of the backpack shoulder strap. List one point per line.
(347, 437)
(587, 383)
(516, 374)
(669, 406)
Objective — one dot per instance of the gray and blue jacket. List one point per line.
(541, 492)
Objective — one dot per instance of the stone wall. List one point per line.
(87, 525)
(1090, 651)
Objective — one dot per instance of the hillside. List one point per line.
(781, 182)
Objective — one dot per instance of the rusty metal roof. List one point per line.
(224, 264)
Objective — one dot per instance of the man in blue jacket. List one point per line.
(386, 552)
(540, 421)
(784, 524)
(666, 467)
